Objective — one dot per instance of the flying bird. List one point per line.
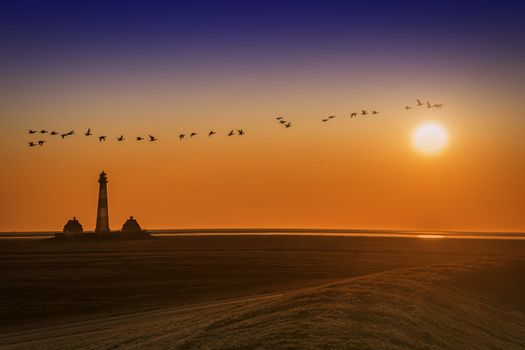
(67, 134)
(279, 118)
(325, 120)
(282, 121)
(375, 112)
(121, 138)
(363, 112)
(428, 105)
(193, 134)
(181, 136)
(54, 133)
(438, 105)
(152, 138)
(31, 131)
(231, 133)
(211, 133)
(407, 107)
(31, 144)
(41, 142)
(288, 124)
(419, 103)
(241, 131)
(43, 131)
(140, 138)
(353, 115)
(331, 117)
(102, 138)
(88, 132)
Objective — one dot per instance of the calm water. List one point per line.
(353, 234)
(328, 233)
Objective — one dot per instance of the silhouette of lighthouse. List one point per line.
(102, 211)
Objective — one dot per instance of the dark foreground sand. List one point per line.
(263, 292)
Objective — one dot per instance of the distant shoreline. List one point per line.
(299, 231)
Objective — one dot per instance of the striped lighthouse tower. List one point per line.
(102, 211)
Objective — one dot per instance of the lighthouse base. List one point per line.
(115, 235)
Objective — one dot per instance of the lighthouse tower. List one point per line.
(102, 211)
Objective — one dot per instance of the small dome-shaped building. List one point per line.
(131, 226)
(72, 228)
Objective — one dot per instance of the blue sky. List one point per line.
(38, 32)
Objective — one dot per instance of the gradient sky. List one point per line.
(164, 67)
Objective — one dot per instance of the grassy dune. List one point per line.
(476, 305)
(264, 292)
(445, 306)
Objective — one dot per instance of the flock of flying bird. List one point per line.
(419, 104)
(364, 112)
(121, 137)
(240, 132)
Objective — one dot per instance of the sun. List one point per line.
(430, 138)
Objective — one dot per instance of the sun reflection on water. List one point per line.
(430, 236)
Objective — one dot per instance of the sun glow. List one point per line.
(430, 236)
(430, 138)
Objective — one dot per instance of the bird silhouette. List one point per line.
(54, 133)
(288, 124)
(181, 136)
(282, 121)
(121, 138)
(193, 134)
(31, 131)
(43, 131)
(407, 107)
(375, 112)
(31, 144)
(68, 134)
(152, 138)
(438, 105)
(241, 132)
(139, 138)
(102, 138)
(353, 115)
(325, 120)
(211, 133)
(419, 103)
(231, 133)
(428, 105)
(88, 132)
(41, 142)
(331, 117)
(363, 112)
(279, 118)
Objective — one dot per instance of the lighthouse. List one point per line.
(102, 210)
(130, 230)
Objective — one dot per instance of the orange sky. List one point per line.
(360, 173)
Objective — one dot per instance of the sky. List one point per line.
(167, 67)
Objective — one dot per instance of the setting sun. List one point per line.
(430, 138)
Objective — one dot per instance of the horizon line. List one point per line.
(294, 230)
